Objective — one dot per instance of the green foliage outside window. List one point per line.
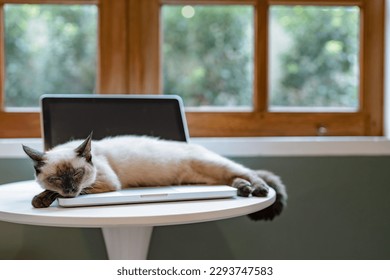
(316, 56)
(49, 49)
(208, 57)
(208, 54)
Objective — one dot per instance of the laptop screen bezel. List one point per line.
(47, 100)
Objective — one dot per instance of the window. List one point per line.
(314, 58)
(49, 49)
(243, 68)
(207, 54)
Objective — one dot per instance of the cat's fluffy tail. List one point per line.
(280, 203)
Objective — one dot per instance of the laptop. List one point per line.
(149, 194)
(69, 117)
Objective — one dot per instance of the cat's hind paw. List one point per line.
(260, 190)
(244, 191)
(243, 187)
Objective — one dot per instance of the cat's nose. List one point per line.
(68, 193)
(69, 190)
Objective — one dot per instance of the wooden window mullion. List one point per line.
(260, 98)
(113, 72)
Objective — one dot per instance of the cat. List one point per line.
(83, 167)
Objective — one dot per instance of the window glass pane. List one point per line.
(49, 49)
(314, 57)
(208, 54)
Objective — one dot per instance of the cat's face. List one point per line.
(65, 171)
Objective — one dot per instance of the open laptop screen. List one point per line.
(69, 117)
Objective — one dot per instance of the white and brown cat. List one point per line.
(84, 167)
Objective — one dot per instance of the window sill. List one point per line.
(255, 146)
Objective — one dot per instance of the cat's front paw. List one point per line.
(39, 202)
(44, 199)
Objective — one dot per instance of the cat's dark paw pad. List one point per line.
(260, 191)
(39, 202)
(244, 190)
(44, 199)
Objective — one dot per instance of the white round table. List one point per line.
(126, 228)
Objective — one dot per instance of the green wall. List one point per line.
(339, 208)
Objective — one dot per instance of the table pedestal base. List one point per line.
(127, 243)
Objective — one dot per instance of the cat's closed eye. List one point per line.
(79, 173)
(54, 180)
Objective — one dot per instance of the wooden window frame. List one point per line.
(129, 62)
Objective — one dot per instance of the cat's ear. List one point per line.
(36, 156)
(84, 150)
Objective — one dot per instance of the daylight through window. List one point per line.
(314, 58)
(208, 54)
(49, 49)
